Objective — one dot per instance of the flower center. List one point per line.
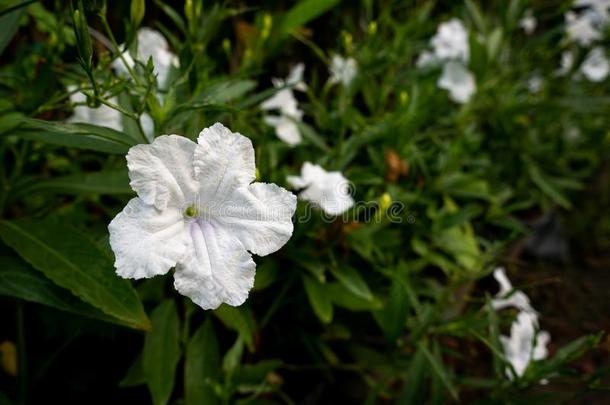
(191, 211)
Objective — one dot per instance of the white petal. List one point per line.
(451, 41)
(148, 125)
(580, 28)
(260, 216)
(224, 161)
(219, 270)
(287, 130)
(502, 279)
(596, 66)
(458, 81)
(342, 70)
(328, 190)
(283, 100)
(146, 242)
(162, 172)
(295, 77)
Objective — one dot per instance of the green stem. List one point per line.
(117, 49)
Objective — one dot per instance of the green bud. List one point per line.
(226, 45)
(267, 24)
(83, 39)
(257, 174)
(372, 27)
(93, 102)
(384, 202)
(138, 9)
(404, 97)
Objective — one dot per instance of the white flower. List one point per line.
(567, 62)
(150, 44)
(458, 81)
(287, 105)
(528, 22)
(596, 66)
(535, 83)
(328, 190)
(198, 210)
(426, 59)
(581, 28)
(451, 41)
(507, 297)
(102, 116)
(599, 8)
(342, 70)
(525, 343)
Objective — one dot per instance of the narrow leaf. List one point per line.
(202, 366)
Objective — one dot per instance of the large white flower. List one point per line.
(458, 81)
(596, 66)
(197, 210)
(525, 343)
(151, 43)
(451, 41)
(342, 70)
(328, 190)
(286, 104)
(507, 296)
(103, 115)
(581, 28)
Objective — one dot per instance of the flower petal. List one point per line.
(219, 269)
(146, 242)
(224, 160)
(162, 172)
(260, 216)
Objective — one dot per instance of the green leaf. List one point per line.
(73, 261)
(103, 182)
(546, 186)
(9, 21)
(232, 358)
(305, 11)
(135, 374)
(318, 299)
(162, 352)
(82, 136)
(202, 366)
(436, 365)
(344, 298)
(19, 280)
(240, 319)
(353, 281)
(393, 316)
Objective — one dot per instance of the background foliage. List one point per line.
(353, 311)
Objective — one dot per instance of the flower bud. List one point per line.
(267, 24)
(138, 9)
(83, 40)
(404, 98)
(384, 202)
(372, 28)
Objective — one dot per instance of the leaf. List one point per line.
(232, 358)
(82, 136)
(239, 319)
(318, 299)
(102, 182)
(353, 281)
(414, 385)
(73, 261)
(344, 298)
(9, 21)
(19, 280)
(135, 374)
(547, 188)
(392, 318)
(162, 352)
(202, 366)
(438, 368)
(303, 12)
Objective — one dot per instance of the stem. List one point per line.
(116, 47)
(21, 353)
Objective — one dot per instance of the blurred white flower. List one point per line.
(458, 81)
(198, 210)
(287, 106)
(567, 62)
(507, 296)
(451, 41)
(151, 43)
(102, 116)
(342, 70)
(427, 59)
(535, 83)
(599, 8)
(596, 66)
(528, 23)
(525, 343)
(581, 28)
(328, 190)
